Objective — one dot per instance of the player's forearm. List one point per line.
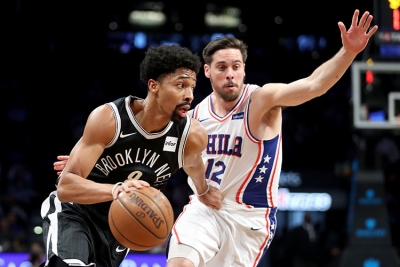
(197, 174)
(73, 188)
(329, 73)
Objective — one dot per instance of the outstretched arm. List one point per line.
(354, 40)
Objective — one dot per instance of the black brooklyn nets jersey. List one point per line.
(136, 154)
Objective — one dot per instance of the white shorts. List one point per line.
(177, 250)
(227, 237)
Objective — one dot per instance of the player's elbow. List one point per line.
(316, 90)
(62, 191)
(62, 194)
(320, 87)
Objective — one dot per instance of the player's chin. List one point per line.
(176, 118)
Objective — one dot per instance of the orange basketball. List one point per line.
(142, 219)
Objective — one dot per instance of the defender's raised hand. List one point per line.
(356, 38)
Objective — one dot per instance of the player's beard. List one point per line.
(231, 96)
(175, 117)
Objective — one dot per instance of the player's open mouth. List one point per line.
(183, 110)
(230, 85)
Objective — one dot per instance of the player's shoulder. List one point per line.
(197, 126)
(100, 125)
(259, 92)
(113, 106)
(258, 87)
(197, 135)
(253, 86)
(250, 88)
(101, 109)
(101, 115)
(273, 86)
(123, 100)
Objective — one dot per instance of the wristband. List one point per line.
(208, 188)
(115, 186)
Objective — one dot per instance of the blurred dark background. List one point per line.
(61, 59)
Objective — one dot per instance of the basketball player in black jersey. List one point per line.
(130, 142)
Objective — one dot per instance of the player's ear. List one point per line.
(207, 70)
(152, 85)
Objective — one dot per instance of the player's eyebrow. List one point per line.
(225, 62)
(185, 76)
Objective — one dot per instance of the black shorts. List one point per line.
(76, 238)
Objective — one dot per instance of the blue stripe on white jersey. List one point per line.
(256, 190)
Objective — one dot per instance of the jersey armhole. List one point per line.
(117, 118)
(182, 144)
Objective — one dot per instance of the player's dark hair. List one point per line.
(166, 59)
(223, 43)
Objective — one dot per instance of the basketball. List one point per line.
(142, 219)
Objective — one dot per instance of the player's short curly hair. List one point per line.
(166, 59)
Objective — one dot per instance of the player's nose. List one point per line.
(229, 74)
(188, 95)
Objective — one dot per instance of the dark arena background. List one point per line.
(341, 151)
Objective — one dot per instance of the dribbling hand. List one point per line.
(127, 185)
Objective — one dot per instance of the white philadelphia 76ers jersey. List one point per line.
(245, 169)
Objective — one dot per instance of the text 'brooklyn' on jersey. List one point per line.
(136, 154)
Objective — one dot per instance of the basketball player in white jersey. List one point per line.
(243, 156)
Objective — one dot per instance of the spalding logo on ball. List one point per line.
(142, 219)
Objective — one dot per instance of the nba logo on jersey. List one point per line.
(170, 144)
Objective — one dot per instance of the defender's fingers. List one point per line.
(342, 28)
(368, 22)
(372, 31)
(355, 18)
(364, 19)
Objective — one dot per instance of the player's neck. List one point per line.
(149, 117)
(221, 106)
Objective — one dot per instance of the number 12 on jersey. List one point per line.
(218, 167)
